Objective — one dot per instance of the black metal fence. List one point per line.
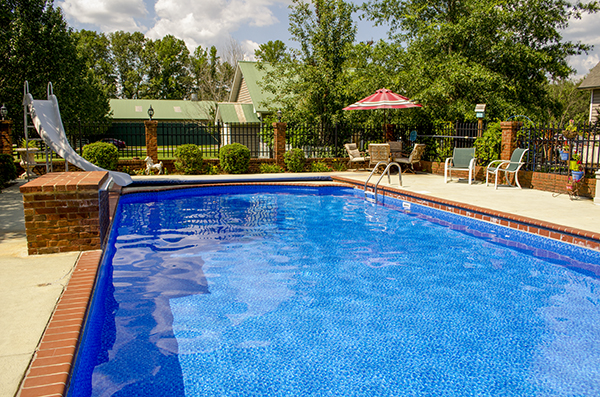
(545, 142)
(441, 139)
(550, 151)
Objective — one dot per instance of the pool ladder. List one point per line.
(387, 171)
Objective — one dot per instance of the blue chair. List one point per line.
(511, 166)
(463, 159)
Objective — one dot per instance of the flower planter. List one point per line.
(573, 165)
(577, 175)
(564, 156)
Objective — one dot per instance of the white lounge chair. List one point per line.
(463, 159)
(511, 166)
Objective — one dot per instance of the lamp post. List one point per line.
(150, 112)
(3, 111)
(279, 115)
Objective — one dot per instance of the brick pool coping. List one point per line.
(554, 231)
(49, 371)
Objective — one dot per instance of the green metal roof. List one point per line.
(237, 113)
(252, 75)
(137, 109)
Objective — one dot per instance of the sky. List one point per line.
(249, 22)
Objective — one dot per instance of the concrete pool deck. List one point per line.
(30, 286)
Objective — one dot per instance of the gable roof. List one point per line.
(230, 113)
(592, 80)
(164, 109)
(246, 88)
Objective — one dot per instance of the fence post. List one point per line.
(151, 139)
(279, 144)
(6, 137)
(509, 138)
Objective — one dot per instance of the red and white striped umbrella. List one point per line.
(383, 99)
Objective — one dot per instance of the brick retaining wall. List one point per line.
(62, 212)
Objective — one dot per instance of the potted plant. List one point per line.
(564, 152)
(570, 130)
(576, 167)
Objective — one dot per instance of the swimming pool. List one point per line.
(263, 290)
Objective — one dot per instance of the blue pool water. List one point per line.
(271, 291)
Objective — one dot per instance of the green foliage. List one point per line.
(210, 76)
(462, 53)
(104, 155)
(37, 46)
(489, 145)
(309, 81)
(128, 56)
(319, 166)
(339, 165)
(94, 49)
(295, 160)
(166, 61)
(8, 170)
(211, 169)
(270, 168)
(569, 102)
(30, 144)
(234, 158)
(189, 159)
(272, 52)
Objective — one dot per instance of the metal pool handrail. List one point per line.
(386, 171)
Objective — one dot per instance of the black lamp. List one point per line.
(279, 115)
(150, 112)
(3, 111)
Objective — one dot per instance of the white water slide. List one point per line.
(46, 118)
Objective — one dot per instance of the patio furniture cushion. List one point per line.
(413, 158)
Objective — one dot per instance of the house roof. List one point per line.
(592, 80)
(247, 76)
(164, 109)
(237, 113)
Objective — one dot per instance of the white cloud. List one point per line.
(209, 22)
(584, 30)
(108, 15)
(249, 47)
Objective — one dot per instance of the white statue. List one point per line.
(151, 166)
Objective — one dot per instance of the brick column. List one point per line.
(62, 212)
(6, 137)
(509, 138)
(279, 144)
(152, 139)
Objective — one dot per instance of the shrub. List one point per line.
(339, 165)
(319, 166)
(295, 160)
(104, 155)
(270, 168)
(488, 146)
(210, 169)
(234, 158)
(188, 159)
(8, 170)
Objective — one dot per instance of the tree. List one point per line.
(94, 48)
(271, 52)
(460, 53)
(308, 82)
(211, 78)
(128, 52)
(571, 103)
(37, 46)
(166, 62)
